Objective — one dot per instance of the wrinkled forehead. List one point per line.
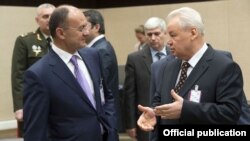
(157, 29)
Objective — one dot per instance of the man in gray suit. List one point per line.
(137, 79)
(212, 92)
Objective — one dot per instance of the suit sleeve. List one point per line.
(130, 94)
(109, 108)
(107, 61)
(157, 73)
(36, 108)
(19, 65)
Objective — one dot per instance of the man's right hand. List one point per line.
(19, 115)
(147, 120)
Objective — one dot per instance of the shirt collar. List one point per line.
(94, 40)
(65, 56)
(153, 52)
(197, 56)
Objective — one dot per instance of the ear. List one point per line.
(97, 27)
(36, 18)
(60, 33)
(194, 33)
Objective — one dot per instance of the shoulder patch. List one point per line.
(25, 34)
(38, 37)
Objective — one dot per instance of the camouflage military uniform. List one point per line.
(28, 49)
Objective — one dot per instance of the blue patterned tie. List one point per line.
(82, 80)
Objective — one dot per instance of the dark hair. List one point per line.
(95, 17)
(58, 19)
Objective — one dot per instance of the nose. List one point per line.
(153, 36)
(170, 42)
(85, 32)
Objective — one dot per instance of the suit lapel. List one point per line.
(170, 75)
(87, 58)
(147, 58)
(62, 71)
(175, 71)
(197, 72)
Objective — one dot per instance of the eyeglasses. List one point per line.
(83, 28)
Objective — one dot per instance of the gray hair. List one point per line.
(187, 17)
(155, 22)
(42, 6)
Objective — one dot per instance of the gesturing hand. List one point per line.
(147, 120)
(171, 110)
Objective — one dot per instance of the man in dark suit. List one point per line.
(158, 66)
(28, 49)
(137, 75)
(96, 39)
(57, 104)
(245, 109)
(212, 92)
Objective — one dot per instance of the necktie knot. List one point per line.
(73, 60)
(185, 66)
(49, 42)
(49, 39)
(159, 55)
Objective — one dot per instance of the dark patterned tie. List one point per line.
(159, 55)
(82, 80)
(49, 42)
(183, 76)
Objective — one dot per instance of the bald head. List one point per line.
(60, 16)
(68, 27)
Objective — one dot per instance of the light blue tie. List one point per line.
(82, 80)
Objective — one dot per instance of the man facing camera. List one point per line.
(138, 71)
(28, 49)
(201, 86)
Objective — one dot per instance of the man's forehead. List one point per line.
(157, 29)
